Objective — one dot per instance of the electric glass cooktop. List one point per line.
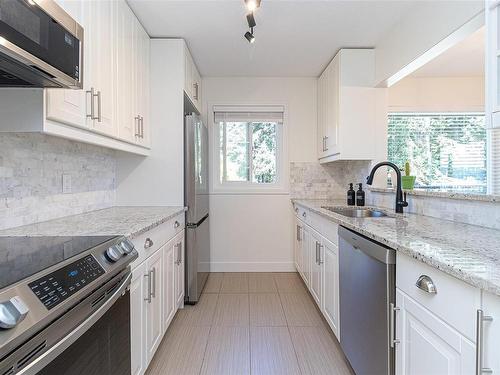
(21, 257)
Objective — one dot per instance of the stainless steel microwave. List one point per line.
(40, 45)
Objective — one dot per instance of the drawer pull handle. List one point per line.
(480, 319)
(148, 243)
(426, 284)
(176, 224)
(304, 214)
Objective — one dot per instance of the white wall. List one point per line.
(254, 232)
(158, 180)
(418, 31)
(431, 94)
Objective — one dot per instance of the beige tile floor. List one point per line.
(250, 323)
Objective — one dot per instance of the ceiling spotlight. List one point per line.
(251, 20)
(250, 37)
(252, 4)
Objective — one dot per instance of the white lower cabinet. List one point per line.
(490, 325)
(427, 345)
(154, 331)
(297, 243)
(169, 307)
(315, 256)
(138, 320)
(317, 261)
(304, 254)
(156, 291)
(179, 271)
(331, 285)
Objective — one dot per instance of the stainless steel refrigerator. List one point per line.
(196, 200)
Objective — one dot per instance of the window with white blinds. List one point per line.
(249, 146)
(447, 151)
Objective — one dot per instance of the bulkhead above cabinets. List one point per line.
(112, 109)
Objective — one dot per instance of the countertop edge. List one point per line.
(155, 224)
(473, 280)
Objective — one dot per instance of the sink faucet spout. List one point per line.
(400, 200)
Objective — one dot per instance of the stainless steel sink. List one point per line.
(355, 211)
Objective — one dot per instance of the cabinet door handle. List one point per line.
(137, 126)
(153, 282)
(176, 224)
(196, 90)
(480, 319)
(99, 109)
(298, 233)
(304, 214)
(92, 106)
(317, 251)
(426, 284)
(326, 143)
(392, 325)
(141, 124)
(179, 253)
(148, 298)
(320, 261)
(148, 243)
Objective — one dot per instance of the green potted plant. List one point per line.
(407, 180)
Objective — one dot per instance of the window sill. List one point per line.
(441, 194)
(249, 191)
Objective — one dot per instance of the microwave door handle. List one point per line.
(74, 335)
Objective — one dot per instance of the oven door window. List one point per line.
(31, 29)
(103, 349)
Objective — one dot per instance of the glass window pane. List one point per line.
(447, 151)
(234, 151)
(264, 139)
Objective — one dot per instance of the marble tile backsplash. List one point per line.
(311, 180)
(475, 212)
(31, 170)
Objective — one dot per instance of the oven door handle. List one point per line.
(74, 335)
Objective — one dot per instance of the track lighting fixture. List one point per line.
(251, 20)
(252, 4)
(249, 36)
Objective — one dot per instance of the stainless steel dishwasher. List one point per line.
(367, 290)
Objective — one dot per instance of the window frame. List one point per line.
(280, 186)
(444, 113)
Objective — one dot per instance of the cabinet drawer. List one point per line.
(330, 230)
(158, 237)
(455, 302)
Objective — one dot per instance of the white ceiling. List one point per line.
(465, 59)
(293, 37)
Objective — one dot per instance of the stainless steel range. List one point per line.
(64, 305)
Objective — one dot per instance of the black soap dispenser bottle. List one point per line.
(360, 196)
(351, 196)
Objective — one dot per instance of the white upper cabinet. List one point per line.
(488, 320)
(114, 102)
(192, 80)
(347, 107)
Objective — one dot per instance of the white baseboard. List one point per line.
(252, 267)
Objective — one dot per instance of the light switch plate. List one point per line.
(66, 183)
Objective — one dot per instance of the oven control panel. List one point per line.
(61, 284)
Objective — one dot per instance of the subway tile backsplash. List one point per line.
(31, 170)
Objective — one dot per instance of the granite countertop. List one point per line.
(128, 221)
(467, 252)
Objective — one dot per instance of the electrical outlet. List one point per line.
(66, 183)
